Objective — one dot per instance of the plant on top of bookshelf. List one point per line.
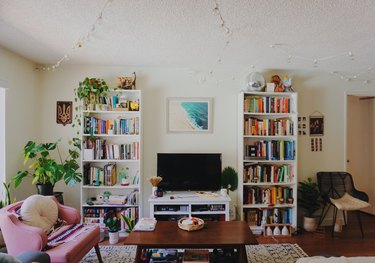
(45, 170)
(90, 90)
(229, 179)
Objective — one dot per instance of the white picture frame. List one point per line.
(189, 115)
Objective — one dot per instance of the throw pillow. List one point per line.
(39, 211)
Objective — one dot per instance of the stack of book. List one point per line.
(145, 224)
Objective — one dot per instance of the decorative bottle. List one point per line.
(276, 231)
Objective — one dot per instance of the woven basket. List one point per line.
(196, 225)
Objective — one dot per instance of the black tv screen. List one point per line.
(189, 171)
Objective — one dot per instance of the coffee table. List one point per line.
(220, 234)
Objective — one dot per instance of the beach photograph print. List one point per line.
(189, 114)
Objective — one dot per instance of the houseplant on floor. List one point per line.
(113, 224)
(47, 171)
(310, 200)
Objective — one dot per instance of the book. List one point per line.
(196, 256)
(145, 224)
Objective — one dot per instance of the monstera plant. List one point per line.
(47, 171)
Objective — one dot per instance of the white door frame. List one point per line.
(3, 88)
(346, 94)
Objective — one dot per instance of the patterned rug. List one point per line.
(270, 253)
(274, 253)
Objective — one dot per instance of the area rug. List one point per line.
(270, 253)
(274, 253)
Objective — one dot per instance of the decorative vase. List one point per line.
(276, 231)
(113, 237)
(285, 231)
(154, 191)
(269, 231)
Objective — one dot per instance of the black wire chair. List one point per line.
(337, 190)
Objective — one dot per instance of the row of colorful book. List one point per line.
(102, 150)
(268, 173)
(128, 126)
(271, 150)
(263, 104)
(267, 196)
(268, 127)
(257, 217)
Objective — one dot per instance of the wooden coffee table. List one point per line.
(220, 234)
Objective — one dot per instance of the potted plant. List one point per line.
(130, 223)
(229, 179)
(113, 224)
(310, 200)
(90, 90)
(45, 170)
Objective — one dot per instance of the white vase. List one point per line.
(276, 231)
(285, 231)
(269, 231)
(113, 237)
(154, 191)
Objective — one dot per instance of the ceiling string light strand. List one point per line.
(81, 41)
(355, 77)
(314, 61)
(228, 32)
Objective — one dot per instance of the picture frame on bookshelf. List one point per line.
(189, 115)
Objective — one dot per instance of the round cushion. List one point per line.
(39, 211)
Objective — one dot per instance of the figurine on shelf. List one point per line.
(127, 82)
(287, 84)
(278, 85)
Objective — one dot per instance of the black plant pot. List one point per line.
(45, 189)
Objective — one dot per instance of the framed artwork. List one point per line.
(64, 111)
(189, 115)
(316, 125)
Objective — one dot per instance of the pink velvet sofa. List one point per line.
(20, 237)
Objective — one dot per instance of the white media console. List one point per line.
(172, 206)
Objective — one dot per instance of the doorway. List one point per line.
(360, 140)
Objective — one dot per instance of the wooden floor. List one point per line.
(346, 243)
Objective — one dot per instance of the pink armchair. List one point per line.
(20, 237)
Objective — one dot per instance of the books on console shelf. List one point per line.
(145, 224)
(196, 256)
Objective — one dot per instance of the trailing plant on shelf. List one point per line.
(229, 179)
(45, 170)
(90, 90)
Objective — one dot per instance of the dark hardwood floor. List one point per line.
(346, 243)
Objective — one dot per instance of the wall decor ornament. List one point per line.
(189, 115)
(64, 112)
(316, 124)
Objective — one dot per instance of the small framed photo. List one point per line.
(316, 125)
(189, 115)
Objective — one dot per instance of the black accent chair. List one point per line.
(338, 191)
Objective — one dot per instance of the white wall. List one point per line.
(317, 91)
(22, 111)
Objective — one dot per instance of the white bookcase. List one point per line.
(111, 144)
(174, 206)
(267, 160)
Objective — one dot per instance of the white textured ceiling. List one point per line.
(189, 33)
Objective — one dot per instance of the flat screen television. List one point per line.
(189, 171)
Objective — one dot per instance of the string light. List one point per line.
(81, 41)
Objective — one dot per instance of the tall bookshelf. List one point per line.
(267, 160)
(111, 157)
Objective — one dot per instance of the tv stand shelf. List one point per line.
(173, 206)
